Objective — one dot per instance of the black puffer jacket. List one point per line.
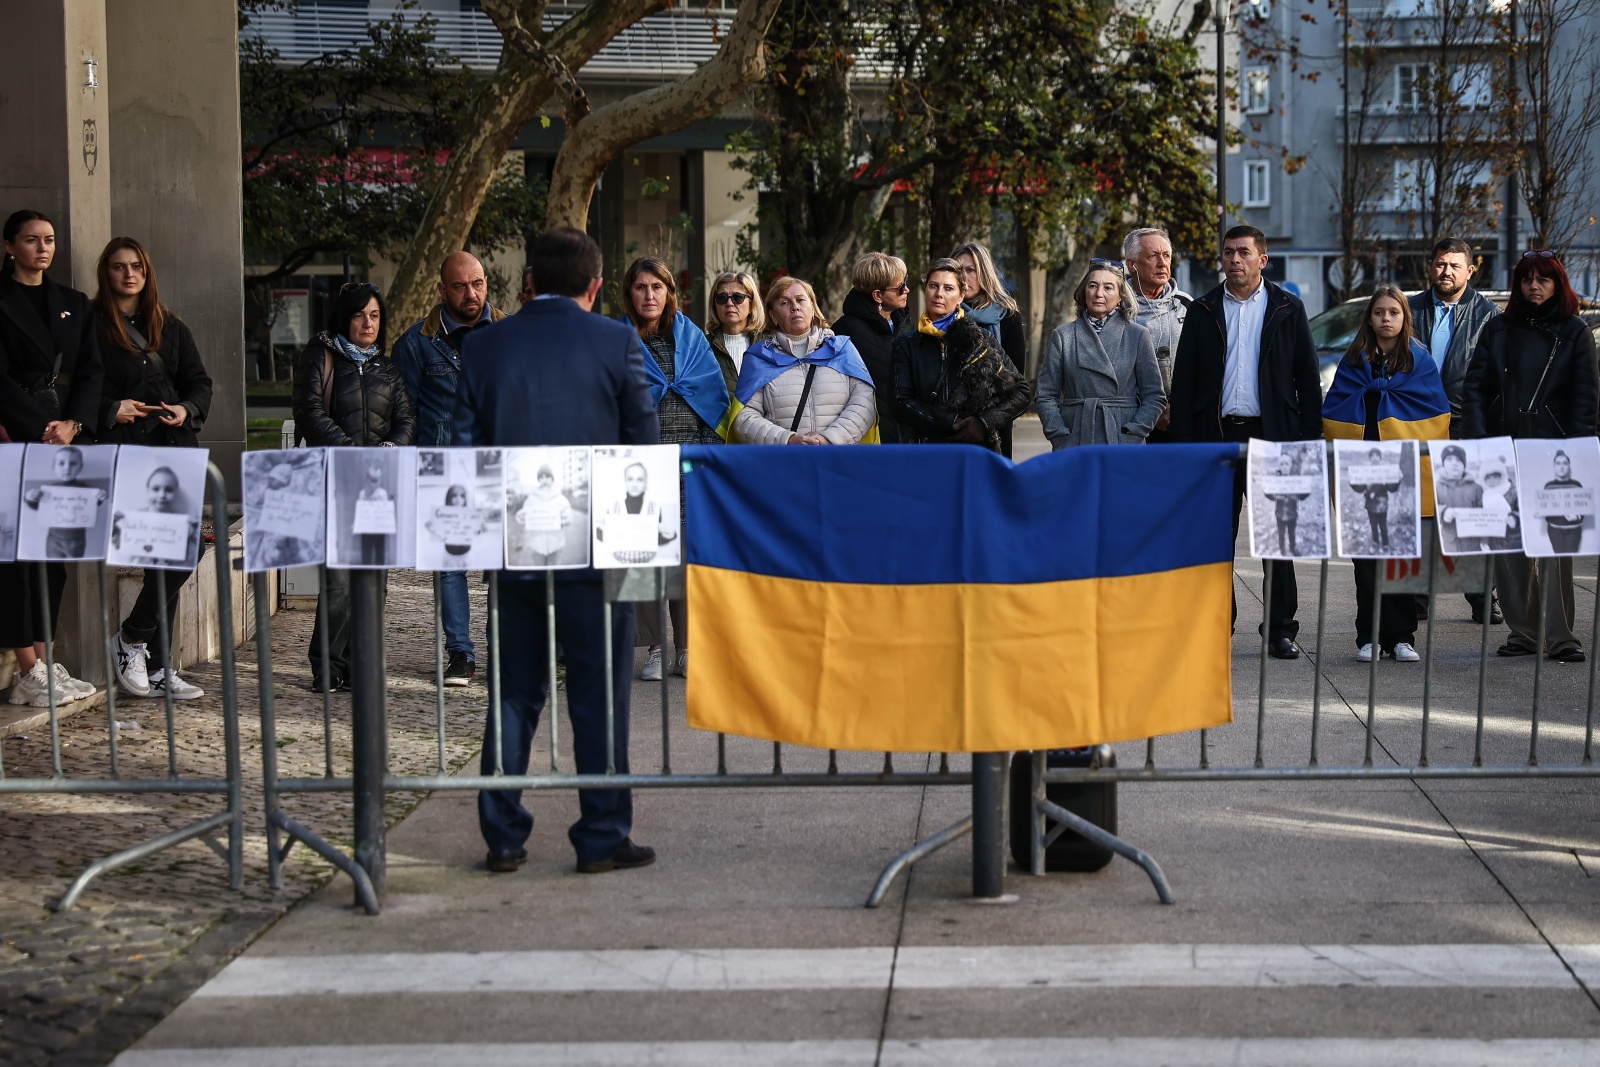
(369, 405)
(132, 375)
(1504, 395)
(873, 336)
(939, 380)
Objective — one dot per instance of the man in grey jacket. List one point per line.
(1448, 317)
(1147, 252)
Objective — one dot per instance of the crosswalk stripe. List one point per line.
(1007, 1052)
(1501, 966)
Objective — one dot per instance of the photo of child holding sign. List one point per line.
(371, 508)
(460, 509)
(284, 501)
(1288, 500)
(547, 508)
(1475, 498)
(1558, 495)
(10, 498)
(65, 489)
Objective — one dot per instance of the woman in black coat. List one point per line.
(1533, 374)
(992, 308)
(155, 392)
(49, 393)
(348, 392)
(874, 309)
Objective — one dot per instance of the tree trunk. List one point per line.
(508, 102)
(593, 143)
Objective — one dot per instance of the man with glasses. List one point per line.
(1147, 255)
(1247, 368)
(429, 357)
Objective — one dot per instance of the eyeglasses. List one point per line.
(731, 298)
(1542, 253)
(1108, 264)
(903, 288)
(357, 287)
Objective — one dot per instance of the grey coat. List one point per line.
(1097, 389)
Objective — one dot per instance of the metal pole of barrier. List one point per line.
(888, 763)
(550, 632)
(1316, 675)
(1267, 567)
(611, 692)
(1036, 824)
(1427, 653)
(269, 730)
(494, 670)
(1377, 654)
(777, 758)
(230, 683)
(722, 749)
(1538, 657)
(1205, 750)
(369, 736)
(666, 671)
(833, 761)
(111, 670)
(1149, 753)
(988, 837)
(327, 667)
(1594, 663)
(438, 662)
(164, 632)
(1483, 656)
(50, 669)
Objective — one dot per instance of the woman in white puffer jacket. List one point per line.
(800, 384)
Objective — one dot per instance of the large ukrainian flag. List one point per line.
(927, 598)
(1411, 407)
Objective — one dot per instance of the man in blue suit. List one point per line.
(557, 374)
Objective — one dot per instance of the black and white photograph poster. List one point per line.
(547, 508)
(1475, 496)
(637, 506)
(460, 509)
(1288, 500)
(156, 502)
(371, 497)
(1379, 494)
(285, 508)
(66, 502)
(1557, 483)
(10, 498)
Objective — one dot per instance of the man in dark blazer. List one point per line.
(555, 373)
(1247, 367)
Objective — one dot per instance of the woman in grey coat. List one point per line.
(1100, 383)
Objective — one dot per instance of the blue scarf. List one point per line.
(697, 377)
(348, 347)
(764, 361)
(988, 317)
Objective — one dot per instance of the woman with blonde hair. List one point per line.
(736, 321)
(801, 384)
(988, 304)
(874, 310)
(1100, 383)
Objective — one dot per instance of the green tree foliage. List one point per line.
(312, 186)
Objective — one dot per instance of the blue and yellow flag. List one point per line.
(924, 598)
(1411, 407)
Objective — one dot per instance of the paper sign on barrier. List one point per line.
(155, 534)
(374, 517)
(69, 507)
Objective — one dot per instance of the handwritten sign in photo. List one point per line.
(69, 507)
(456, 525)
(1566, 500)
(155, 535)
(374, 517)
(1373, 474)
(286, 513)
(1295, 484)
(1479, 522)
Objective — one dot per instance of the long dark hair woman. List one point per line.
(1533, 375)
(1387, 387)
(348, 393)
(49, 393)
(156, 392)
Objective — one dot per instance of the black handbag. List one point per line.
(47, 395)
(194, 423)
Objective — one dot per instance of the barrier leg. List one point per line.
(368, 729)
(988, 825)
(921, 849)
(1105, 839)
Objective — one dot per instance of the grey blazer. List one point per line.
(1097, 389)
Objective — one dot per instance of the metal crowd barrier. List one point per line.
(228, 787)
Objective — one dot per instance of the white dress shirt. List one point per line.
(1241, 374)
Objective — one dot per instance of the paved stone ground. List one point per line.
(77, 987)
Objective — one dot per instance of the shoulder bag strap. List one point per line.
(137, 336)
(805, 394)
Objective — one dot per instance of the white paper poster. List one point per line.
(285, 508)
(371, 508)
(66, 498)
(637, 506)
(1379, 499)
(1557, 480)
(460, 509)
(156, 507)
(547, 508)
(1288, 500)
(10, 498)
(1475, 496)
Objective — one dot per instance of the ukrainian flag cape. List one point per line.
(1411, 407)
(696, 376)
(764, 361)
(910, 598)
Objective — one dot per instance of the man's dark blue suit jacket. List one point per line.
(554, 374)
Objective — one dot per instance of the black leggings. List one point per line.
(22, 622)
(144, 621)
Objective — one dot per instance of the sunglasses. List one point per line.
(903, 288)
(1542, 253)
(731, 298)
(1108, 264)
(357, 287)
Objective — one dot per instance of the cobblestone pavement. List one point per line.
(78, 987)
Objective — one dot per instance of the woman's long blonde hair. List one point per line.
(988, 278)
(757, 320)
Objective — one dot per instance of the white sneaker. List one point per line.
(133, 672)
(70, 688)
(1404, 653)
(1365, 655)
(32, 687)
(652, 667)
(181, 690)
(681, 667)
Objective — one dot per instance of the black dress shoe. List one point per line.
(505, 862)
(1511, 648)
(340, 685)
(1568, 655)
(1283, 648)
(1495, 618)
(627, 855)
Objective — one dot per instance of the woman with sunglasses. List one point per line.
(348, 393)
(736, 319)
(1533, 375)
(874, 310)
(1100, 383)
(991, 307)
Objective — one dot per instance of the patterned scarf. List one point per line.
(349, 348)
(937, 327)
(1097, 324)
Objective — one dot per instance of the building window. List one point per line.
(1257, 183)
(1410, 86)
(1472, 85)
(1257, 83)
(1413, 184)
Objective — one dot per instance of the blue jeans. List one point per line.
(457, 612)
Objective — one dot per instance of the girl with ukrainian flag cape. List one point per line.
(1387, 388)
